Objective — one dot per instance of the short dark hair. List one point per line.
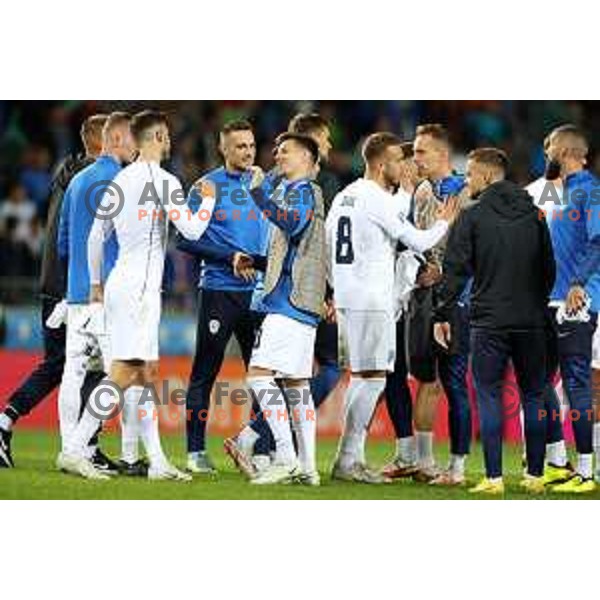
(303, 140)
(492, 157)
(307, 123)
(377, 143)
(91, 129)
(436, 130)
(407, 149)
(145, 120)
(116, 119)
(236, 125)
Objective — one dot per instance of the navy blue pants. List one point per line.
(570, 350)
(398, 399)
(326, 354)
(554, 428)
(221, 314)
(429, 361)
(452, 369)
(490, 352)
(47, 375)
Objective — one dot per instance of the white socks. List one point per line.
(273, 406)
(130, 425)
(556, 453)
(246, 439)
(585, 465)
(597, 444)
(424, 449)
(69, 396)
(150, 434)
(361, 400)
(102, 401)
(6, 422)
(304, 424)
(405, 449)
(457, 464)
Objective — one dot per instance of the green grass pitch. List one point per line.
(37, 478)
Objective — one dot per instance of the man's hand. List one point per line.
(96, 293)
(258, 176)
(242, 265)
(330, 316)
(575, 299)
(450, 210)
(205, 188)
(431, 275)
(442, 334)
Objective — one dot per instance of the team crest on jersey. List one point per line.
(214, 325)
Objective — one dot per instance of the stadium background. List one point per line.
(34, 136)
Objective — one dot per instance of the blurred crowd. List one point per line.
(35, 136)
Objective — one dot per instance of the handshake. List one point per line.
(243, 266)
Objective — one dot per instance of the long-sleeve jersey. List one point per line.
(151, 198)
(53, 278)
(364, 225)
(575, 232)
(289, 207)
(237, 226)
(76, 220)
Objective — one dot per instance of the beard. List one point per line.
(552, 170)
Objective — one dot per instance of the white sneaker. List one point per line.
(78, 465)
(276, 474)
(167, 472)
(313, 478)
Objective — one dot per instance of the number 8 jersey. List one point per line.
(363, 227)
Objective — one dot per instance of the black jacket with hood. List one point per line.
(503, 243)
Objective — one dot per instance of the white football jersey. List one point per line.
(151, 197)
(538, 188)
(364, 225)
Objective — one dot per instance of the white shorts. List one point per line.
(367, 340)
(596, 348)
(132, 322)
(285, 346)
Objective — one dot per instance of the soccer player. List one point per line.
(294, 292)
(132, 293)
(397, 392)
(48, 373)
(326, 350)
(364, 227)
(225, 300)
(428, 364)
(545, 194)
(502, 244)
(255, 437)
(575, 231)
(75, 224)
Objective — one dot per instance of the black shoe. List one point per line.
(6, 461)
(104, 464)
(137, 469)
